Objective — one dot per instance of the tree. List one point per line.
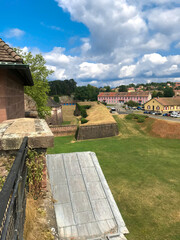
(88, 92)
(168, 92)
(122, 88)
(132, 104)
(108, 89)
(39, 74)
(59, 87)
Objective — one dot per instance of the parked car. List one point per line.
(145, 112)
(139, 108)
(158, 113)
(165, 114)
(174, 114)
(112, 110)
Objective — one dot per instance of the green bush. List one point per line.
(83, 113)
(129, 116)
(104, 103)
(82, 109)
(56, 98)
(138, 117)
(83, 120)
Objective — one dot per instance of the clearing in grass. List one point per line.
(143, 175)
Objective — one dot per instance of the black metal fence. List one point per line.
(13, 198)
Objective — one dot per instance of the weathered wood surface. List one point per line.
(84, 205)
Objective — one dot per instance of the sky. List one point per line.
(98, 42)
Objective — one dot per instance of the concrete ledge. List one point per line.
(13, 131)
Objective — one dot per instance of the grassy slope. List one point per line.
(68, 115)
(143, 174)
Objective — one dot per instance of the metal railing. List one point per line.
(13, 198)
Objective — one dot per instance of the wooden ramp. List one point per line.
(84, 205)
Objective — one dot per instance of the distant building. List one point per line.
(131, 89)
(177, 93)
(123, 97)
(177, 84)
(163, 104)
(14, 75)
(56, 117)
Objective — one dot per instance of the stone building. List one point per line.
(56, 117)
(14, 75)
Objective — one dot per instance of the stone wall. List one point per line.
(64, 130)
(11, 95)
(56, 117)
(97, 131)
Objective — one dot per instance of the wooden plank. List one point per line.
(93, 229)
(101, 209)
(84, 217)
(95, 190)
(85, 159)
(104, 226)
(71, 164)
(82, 230)
(80, 202)
(115, 210)
(76, 183)
(90, 174)
(64, 215)
(60, 194)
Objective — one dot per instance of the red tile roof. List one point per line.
(169, 101)
(123, 94)
(7, 54)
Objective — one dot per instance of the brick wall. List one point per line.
(11, 95)
(64, 130)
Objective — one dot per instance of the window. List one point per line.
(148, 107)
(157, 108)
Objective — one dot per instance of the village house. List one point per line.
(123, 97)
(163, 104)
(177, 84)
(131, 89)
(14, 75)
(56, 117)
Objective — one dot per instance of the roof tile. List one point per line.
(7, 54)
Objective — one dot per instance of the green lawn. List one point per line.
(143, 174)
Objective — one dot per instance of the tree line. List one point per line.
(69, 87)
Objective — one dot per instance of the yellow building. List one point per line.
(163, 104)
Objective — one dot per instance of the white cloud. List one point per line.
(14, 33)
(129, 41)
(154, 58)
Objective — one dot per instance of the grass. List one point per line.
(143, 175)
(98, 114)
(66, 123)
(36, 223)
(68, 114)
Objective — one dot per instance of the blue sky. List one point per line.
(98, 42)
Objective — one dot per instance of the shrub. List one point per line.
(35, 166)
(104, 103)
(129, 116)
(138, 117)
(56, 98)
(83, 113)
(83, 120)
